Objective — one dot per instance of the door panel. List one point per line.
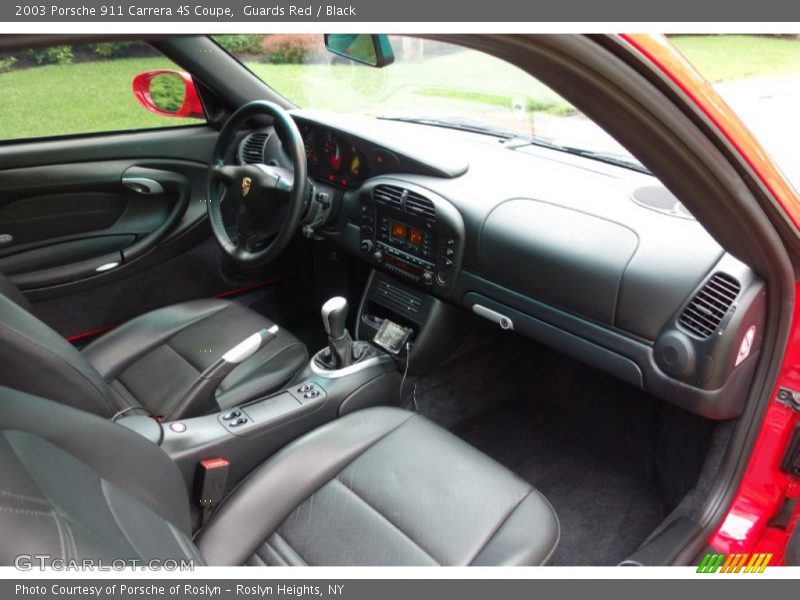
(64, 222)
(80, 211)
(36, 218)
(72, 204)
(63, 253)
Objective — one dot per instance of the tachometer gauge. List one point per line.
(330, 152)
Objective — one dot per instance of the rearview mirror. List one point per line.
(372, 50)
(168, 93)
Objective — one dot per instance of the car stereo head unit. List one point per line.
(406, 232)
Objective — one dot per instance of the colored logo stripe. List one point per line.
(734, 563)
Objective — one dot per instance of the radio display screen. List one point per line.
(401, 231)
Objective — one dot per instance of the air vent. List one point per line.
(704, 313)
(389, 194)
(409, 201)
(420, 205)
(251, 151)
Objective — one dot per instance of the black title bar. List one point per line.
(394, 11)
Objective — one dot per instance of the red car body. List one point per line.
(765, 487)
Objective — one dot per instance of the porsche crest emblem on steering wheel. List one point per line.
(246, 183)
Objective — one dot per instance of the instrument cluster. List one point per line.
(333, 158)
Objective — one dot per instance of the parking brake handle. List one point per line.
(202, 392)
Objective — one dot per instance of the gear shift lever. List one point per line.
(334, 315)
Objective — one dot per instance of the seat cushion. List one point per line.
(381, 486)
(153, 359)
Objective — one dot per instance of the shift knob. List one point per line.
(334, 315)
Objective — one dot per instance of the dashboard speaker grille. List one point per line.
(661, 200)
(251, 151)
(704, 313)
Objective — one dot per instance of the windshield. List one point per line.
(430, 82)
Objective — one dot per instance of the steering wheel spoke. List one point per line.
(269, 199)
(224, 173)
(279, 179)
(284, 187)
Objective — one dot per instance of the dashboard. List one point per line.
(600, 262)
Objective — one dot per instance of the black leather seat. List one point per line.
(150, 361)
(381, 486)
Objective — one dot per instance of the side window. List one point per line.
(68, 90)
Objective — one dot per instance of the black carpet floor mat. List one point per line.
(591, 473)
(602, 452)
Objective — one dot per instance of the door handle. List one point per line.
(143, 185)
(153, 181)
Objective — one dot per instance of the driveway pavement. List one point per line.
(771, 109)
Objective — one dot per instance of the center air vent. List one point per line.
(410, 202)
(389, 194)
(417, 204)
(704, 313)
(251, 150)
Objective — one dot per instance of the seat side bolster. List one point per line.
(255, 509)
(36, 359)
(111, 353)
(512, 543)
(113, 452)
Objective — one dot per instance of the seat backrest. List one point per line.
(75, 486)
(36, 359)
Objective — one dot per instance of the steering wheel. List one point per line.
(268, 200)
